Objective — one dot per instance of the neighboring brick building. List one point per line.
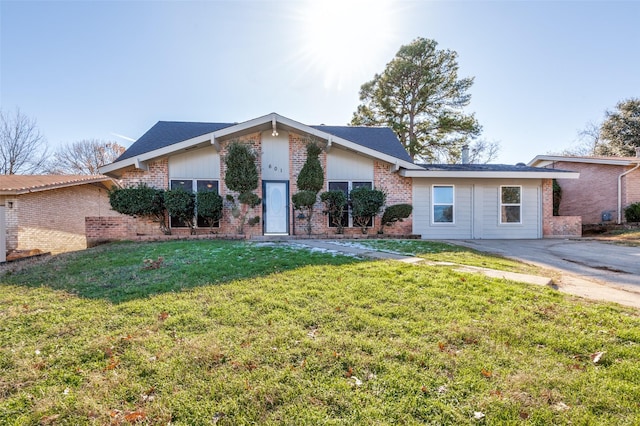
(606, 186)
(47, 212)
(450, 201)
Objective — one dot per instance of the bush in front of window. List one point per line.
(632, 212)
(335, 203)
(365, 204)
(181, 206)
(209, 207)
(141, 200)
(393, 214)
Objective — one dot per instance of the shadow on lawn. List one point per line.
(121, 272)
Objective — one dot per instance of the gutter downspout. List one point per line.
(620, 191)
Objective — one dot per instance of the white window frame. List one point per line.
(501, 205)
(452, 204)
(350, 188)
(194, 189)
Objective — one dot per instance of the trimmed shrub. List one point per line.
(310, 181)
(141, 200)
(335, 203)
(242, 177)
(209, 207)
(632, 212)
(181, 206)
(366, 203)
(395, 213)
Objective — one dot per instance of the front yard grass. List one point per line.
(240, 333)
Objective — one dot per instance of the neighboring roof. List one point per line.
(381, 139)
(543, 160)
(488, 171)
(165, 133)
(23, 184)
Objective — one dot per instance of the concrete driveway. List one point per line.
(615, 266)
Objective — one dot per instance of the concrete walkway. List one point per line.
(567, 283)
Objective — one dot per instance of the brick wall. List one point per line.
(630, 189)
(557, 226)
(156, 177)
(398, 190)
(595, 192)
(54, 221)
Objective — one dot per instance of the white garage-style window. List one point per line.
(442, 204)
(195, 186)
(510, 204)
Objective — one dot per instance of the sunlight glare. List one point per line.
(344, 38)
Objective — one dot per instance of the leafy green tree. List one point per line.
(420, 96)
(209, 207)
(181, 206)
(365, 204)
(310, 181)
(335, 203)
(141, 200)
(242, 177)
(620, 131)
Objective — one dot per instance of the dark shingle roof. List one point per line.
(381, 139)
(165, 133)
(484, 168)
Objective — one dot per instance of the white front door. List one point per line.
(275, 208)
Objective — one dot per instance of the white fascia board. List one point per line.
(541, 160)
(488, 175)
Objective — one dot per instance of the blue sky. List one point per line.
(542, 69)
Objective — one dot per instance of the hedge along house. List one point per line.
(448, 203)
(47, 212)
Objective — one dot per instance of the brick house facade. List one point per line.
(606, 186)
(47, 212)
(188, 154)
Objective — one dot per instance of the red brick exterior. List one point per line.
(54, 220)
(398, 190)
(596, 191)
(557, 226)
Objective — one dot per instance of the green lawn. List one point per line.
(239, 333)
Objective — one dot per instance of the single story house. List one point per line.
(606, 186)
(46, 212)
(450, 201)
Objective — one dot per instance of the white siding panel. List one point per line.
(344, 165)
(275, 156)
(202, 163)
(530, 214)
(477, 210)
(462, 226)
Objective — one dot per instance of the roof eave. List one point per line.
(106, 181)
(453, 174)
(541, 159)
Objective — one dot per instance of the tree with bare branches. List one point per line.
(85, 157)
(23, 149)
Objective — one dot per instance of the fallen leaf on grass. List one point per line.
(349, 372)
(596, 357)
(486, 373)
(560, 406)
(163, 316)
(478, 415)
(135, 416)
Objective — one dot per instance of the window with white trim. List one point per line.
(346, 187)
(510, 204)
(442, 203)
(194, 186)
